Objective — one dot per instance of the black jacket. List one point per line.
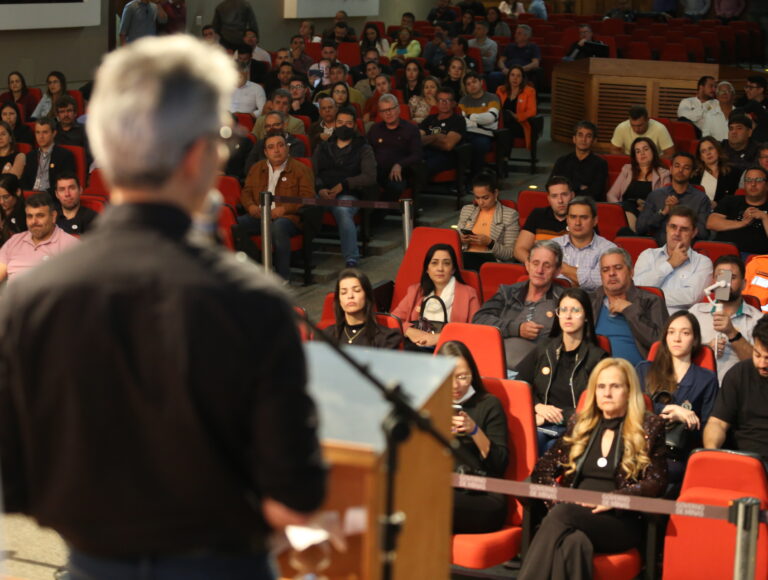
(61, 161)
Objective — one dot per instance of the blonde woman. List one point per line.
(613, 446)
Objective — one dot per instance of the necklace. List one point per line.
(355, 333)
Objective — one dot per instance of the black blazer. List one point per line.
(61, 161)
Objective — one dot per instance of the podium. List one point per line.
(351, 412)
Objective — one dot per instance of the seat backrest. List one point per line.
(307, 148)
(422, 239)
(704, 548)
(528, 200)
(483, 341)
(705, 357)
(611, 218)
(230, 189)
(79, 103)
(635, 245)
(494, 274)
(328, 312)
(227, 219)
(245, 120)
(472, 279)
(517, 400)
(80, 166)
(713, 250)
(95, 202)
(24, 148)
(96, 184)
(604, 343)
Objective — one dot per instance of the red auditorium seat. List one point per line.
(705, 358)
(494, 274)
(713, 250)
(639, 50)
(528, 200)
(483, 341)
(635, 245)
(611, 218)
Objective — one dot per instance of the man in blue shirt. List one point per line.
(140, 18)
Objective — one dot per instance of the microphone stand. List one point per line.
(397, 428)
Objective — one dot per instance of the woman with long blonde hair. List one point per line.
(612, 445)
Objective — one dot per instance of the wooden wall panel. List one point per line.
(568, 98)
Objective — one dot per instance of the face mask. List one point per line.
(344, 133)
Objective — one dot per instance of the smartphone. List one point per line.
(457, 409)
(466, 232)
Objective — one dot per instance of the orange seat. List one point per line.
(713, 250)
(472, 278)
(96, 184)
(705, 548)
(705, 357)
(494, 274)
(97, 203)
(484, 342)
(528, 200)
(654, 290)
(611, 218)
(230, 190)
(635, 245)
(349, 53)
(480, 551)
(227, 219)
(80, 166)
(621, 566)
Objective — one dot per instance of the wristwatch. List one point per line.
(736, 337)
(491, 244)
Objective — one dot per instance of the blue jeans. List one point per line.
(546, 440)
(481, 144)
(192, 567)
(345, 218)
(282, 231)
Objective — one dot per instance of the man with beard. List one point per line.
(743, 219)
(728, 332)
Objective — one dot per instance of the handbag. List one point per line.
(678, 439)
(426, 325)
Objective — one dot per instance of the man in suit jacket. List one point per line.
(47, 161)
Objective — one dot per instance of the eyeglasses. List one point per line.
(564, 311)
(297, 87)
(444, 100)
(390, 110)
(754, 180)
(751, 87)
(462, 378)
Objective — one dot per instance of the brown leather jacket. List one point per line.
(296, 181)
(652, 483)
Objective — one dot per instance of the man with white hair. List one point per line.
(149, 452)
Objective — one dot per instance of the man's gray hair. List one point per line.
(525, 28)
(151, 101)
(281, 93)
(728, 85)
(619, 251)
(283, 116)
(553, 247)
(388, 98)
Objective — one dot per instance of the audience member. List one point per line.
(683, 393)
(441, 13)
(693, 109)
(496, 26)
(676, 268)
(372, 40)
(476, 6)
(231, 18)
(640, 125)
(629, 317)
(728, 332)
(585, 47)
(637, 179)
(493, 227)
(656, 211)
(274, 122)
(460, 49)
(715, 122)
(545, 223)
(258, 71)
(582, 246)
(425, 104)
(481, 110)
(454, 79)
(383, 87)
(755, 104)
(440, 297)
(742, 219)
(12, 208)
(69, 131)
(280, 78)
(740, 406)
(524, 311)
(140, 18)
(740, 148)
(341, 16)
(340, 33)
(74, 218)
(42, 240)
(410, 85)
(11, 159)
(518, 104)
(251, 38)
(18, 93)
(441, 133)
(538, 9)
(57, 86)
(208, 35)
(322, 129)
(281, 103)
(248, 97)
(465, 25)
(521, 52)
(586, 171)
(307, 31)
(761, 160)
(397, 146)
(628, 459)
(354, 312)
(487, 47)
(438, 50)
(480, 427)
(9, 113)
(48, 160)
(345, 168)
(300, 60)
(301, 106)
(281, 175)
(367, 85)
(559, 368)
(713, 172)
(403, 48)
(176, 17)
(337, 74)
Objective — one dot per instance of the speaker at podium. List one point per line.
(351, 412)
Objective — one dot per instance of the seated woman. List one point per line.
(12, 207)
(518, 104)
(440, 297)
(57, 86)
(340, 94)
(683, 393)
(412, 81)
(714, 173)
(457, 68)
(9, 113)
(372, 40)
(612, 446)
(638, 178)
(11, 160)
(18, 93)
(487, 228)
(496, 26)
(480, 425)
(559, 368)
(383, 87)
(353, 306)
(425, 104)
(403, 48)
